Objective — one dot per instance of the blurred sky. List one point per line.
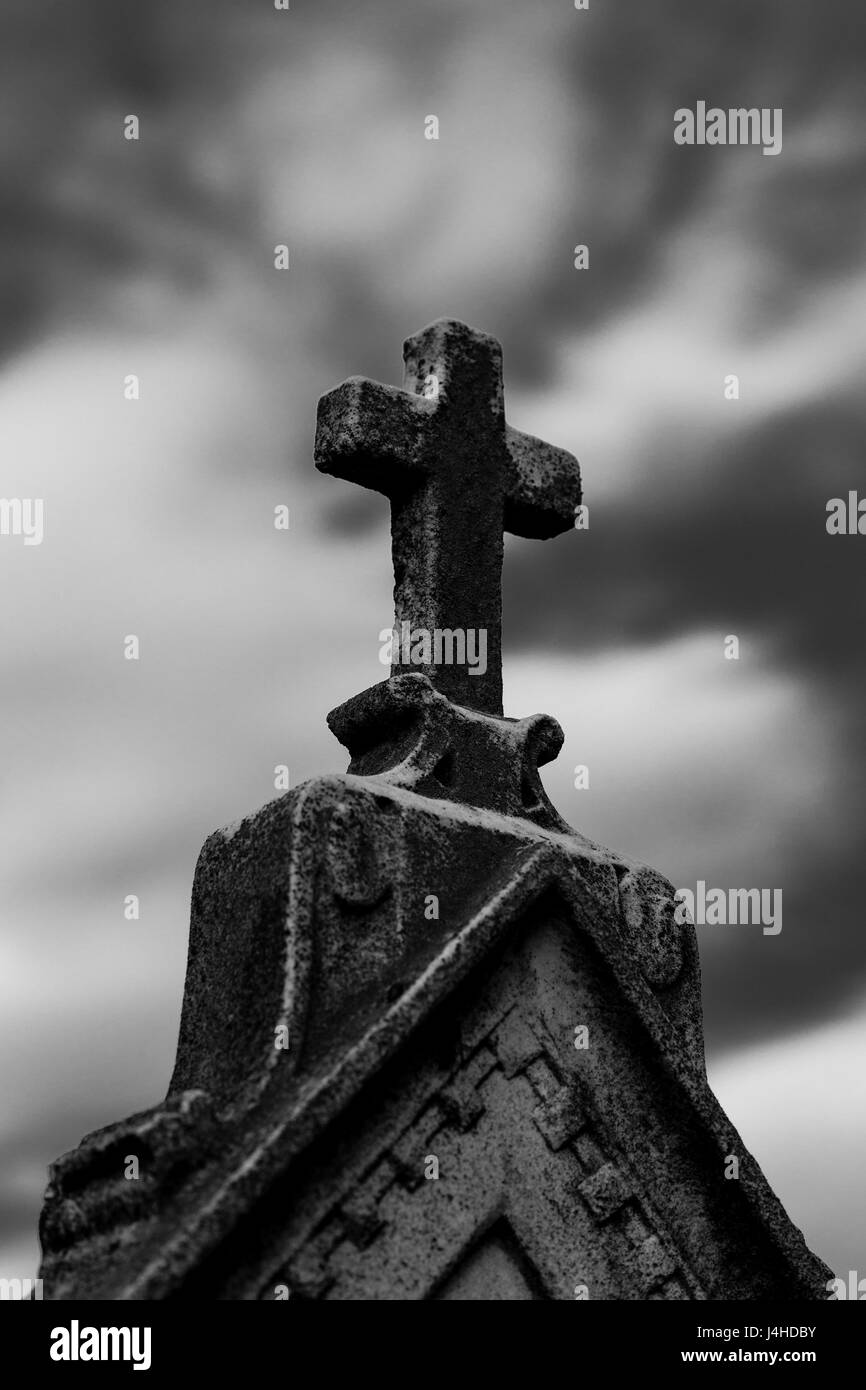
(707, 516)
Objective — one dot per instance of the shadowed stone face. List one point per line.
(457, 476)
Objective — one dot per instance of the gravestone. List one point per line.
(435, 1044)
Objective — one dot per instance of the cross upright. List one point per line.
(457, 476)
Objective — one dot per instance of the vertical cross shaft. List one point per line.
(457, 476)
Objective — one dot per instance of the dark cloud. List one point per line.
(744, 552)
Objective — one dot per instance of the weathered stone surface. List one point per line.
(457, 476)
(494, 1083)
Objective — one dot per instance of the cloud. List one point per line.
(800, 1106)
(702, 768)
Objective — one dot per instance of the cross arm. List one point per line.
(369, 433)
(542, 487)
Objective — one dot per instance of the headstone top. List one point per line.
(418, 962)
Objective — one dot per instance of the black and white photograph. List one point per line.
(432, 531)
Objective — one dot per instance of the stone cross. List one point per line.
(457, 476)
